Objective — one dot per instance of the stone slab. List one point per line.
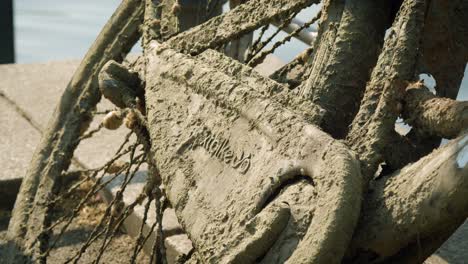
(269, 65)
(176, 241)
(171, 226)
(177, 246)
(18, 140)
(454, 250)
(37, 88)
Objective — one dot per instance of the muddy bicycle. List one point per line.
(301, 166)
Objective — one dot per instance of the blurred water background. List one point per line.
(58, 29)
(63, 29)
